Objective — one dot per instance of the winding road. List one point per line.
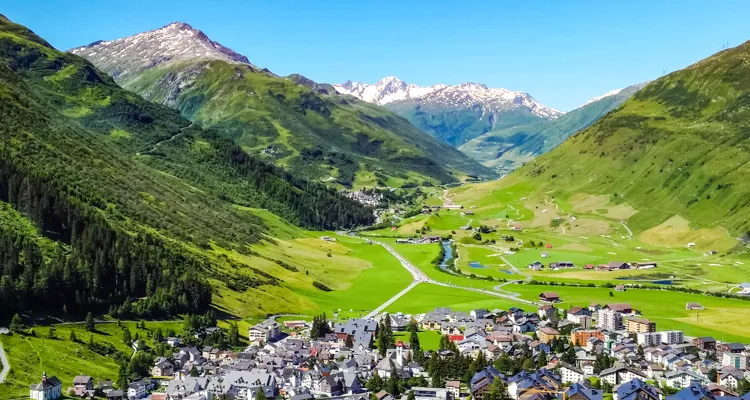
(421, 277)
(6, 364)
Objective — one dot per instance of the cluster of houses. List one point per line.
(339, 364)
(419, 240)
(611, 266)
(366, 197)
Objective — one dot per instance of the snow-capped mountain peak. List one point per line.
(468, 94)
(384, 91)
(174, 42)
(597, 98)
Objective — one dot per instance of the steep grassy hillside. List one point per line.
(106, 197)
(506, 149)
(458, 125)
(288, 121)
(679, 146)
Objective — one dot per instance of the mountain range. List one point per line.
(509, 148)
(294, 122)
(454, 114)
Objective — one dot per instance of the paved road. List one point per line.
(421, 277)
(6, 364)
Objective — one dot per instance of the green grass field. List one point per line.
(426, 297)
(30, 356)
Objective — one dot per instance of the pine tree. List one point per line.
(541, 359)
(73, 337)
(16, 324)
(259, 395)
(348, 342)
(126, 337)
(375, 383)
(416, 348)
(89, 325)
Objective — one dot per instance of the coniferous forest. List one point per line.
(110, 203)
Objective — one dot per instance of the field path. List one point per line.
(421, 277)
(630, 233)
(6, 364)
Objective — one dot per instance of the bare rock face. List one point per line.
(122, 58)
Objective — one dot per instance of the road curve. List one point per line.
(6, 364)
(421, 277)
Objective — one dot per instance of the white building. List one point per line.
(136, 390)
(47, 389)
(570, 373)
(265, 330)
(736, 360)
(682, 379)
(426, 393)
(647, 339)
(610, 320)
(672, 337)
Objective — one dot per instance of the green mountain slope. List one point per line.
(508, 148)
(107, 198)
(459, 124)
(679, 146)
(287, 121)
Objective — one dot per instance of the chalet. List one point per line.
(551, 297)
(545, 255)
(645, 264)
(481, 382)
(694, 306)
(579, 391)
(118, 395)
(730, 348)
(536, 266)
(619, 374)
(705, 343)
(589, 266)
(620, 288)
(636, 389)
(83, 385)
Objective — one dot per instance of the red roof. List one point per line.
(549, 246)
(456, 338)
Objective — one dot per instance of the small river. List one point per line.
(448, 255)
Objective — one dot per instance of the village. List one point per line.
(584, 353)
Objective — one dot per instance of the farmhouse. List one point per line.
(551, 297)
(645, 264)
(430, 239)
(620, 288)
(613, 265)
(623, 308)
(536, 266)
(694, 306)
(561, 264)
(83, 385)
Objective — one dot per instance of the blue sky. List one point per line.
(561, 52)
